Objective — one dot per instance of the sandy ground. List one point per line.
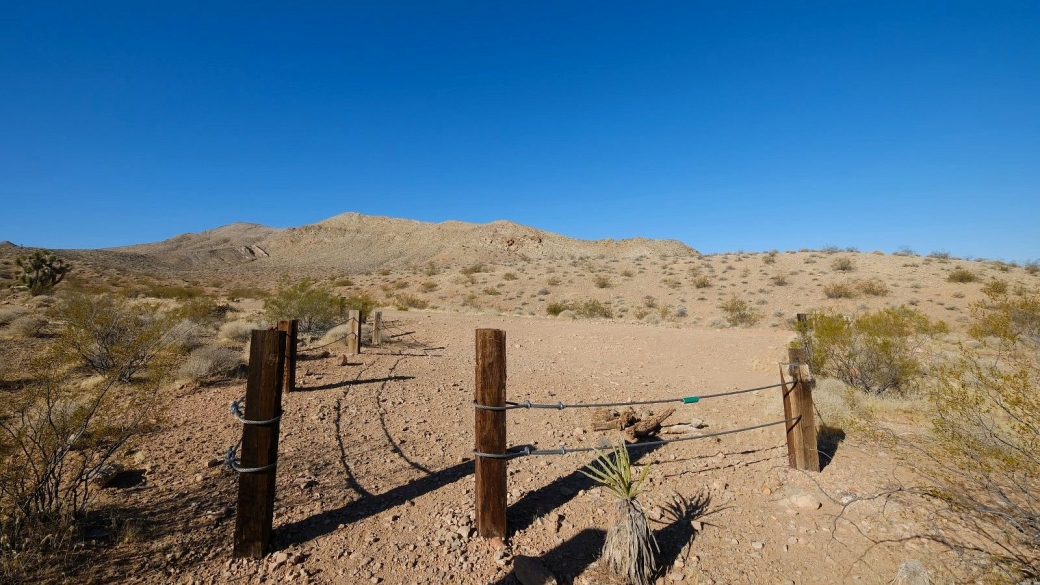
(375, 480)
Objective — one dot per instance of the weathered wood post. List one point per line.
(490, 390)
(377, 328)
(802, 451)
(291, 329)
(256, 480)
(354, 338)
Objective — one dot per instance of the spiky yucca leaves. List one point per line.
(630, 546)
(41, 271)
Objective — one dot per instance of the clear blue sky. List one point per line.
(727, 125)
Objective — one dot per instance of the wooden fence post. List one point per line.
(802, 450)
(291, 329)
(490, 431)
(260, 443)
(354, 339)
(377, 328)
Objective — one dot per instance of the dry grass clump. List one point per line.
(841, 290)
(28, 326)
(962, 275)
(428, 287)
(590, 309)
(702, 281)
(9, 314)
(843, 264)
(873, 287)
(602, 281)
(779, 279)
(237, 331)
(210, 361)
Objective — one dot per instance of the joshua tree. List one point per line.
(41, 271)
(630, 546)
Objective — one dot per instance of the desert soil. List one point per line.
(375, 481)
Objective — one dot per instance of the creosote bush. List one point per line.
(589, 308)
(843, 264)
(875, 352)
(962, 275)
(988, 430)
(739, 312)
(313, 306)
(114, 336)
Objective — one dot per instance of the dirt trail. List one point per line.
(375, 477)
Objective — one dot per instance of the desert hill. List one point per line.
(352, 243)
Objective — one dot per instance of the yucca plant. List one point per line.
(630, 546)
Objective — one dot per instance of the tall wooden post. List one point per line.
(491, 433)
(377, 328)
(354, 339)
(291, 329)
(260, 443)
(802, 450)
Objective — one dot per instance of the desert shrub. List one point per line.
(41, 271)
(542, 292)
(173, 291)
(203, 311)
(553, 281)
(593, 308)
(673, 283)
(843, 264)
(627, 273)
(210, 361)
(510, 276)
(343, 282)
(311, 305)
(9, 314)
(428, 287)
(680, 312)
(988, 430)
(601, 281)
(1032, 267)
(940, 255)
(475, 268)
(362, 303)
(403, 302)
(961, 275)
(875, 352)
(114, 337)
(56, 437)
(779, 279)
(431, 269)
(995, 287)
(237, 331)
(629, 547)
(873, 287)
(739, 312)
(491, 291)
(769, 259)
(555, 308)
(841, 290)
(905, 251)
(703, 281)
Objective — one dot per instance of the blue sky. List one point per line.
(727, 125)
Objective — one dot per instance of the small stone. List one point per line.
(676, 576)
(497, 543)
(697, 525)
(757, 545)
(343, 361)
(579, 432)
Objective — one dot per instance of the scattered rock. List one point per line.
(806, 501)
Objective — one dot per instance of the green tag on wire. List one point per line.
(690, 399)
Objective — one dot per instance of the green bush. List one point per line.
(313, 306)
(403, 302)
(962, 275)
(875, 352)
(556, 307)
(362, 303)
(988, 430)
(592, 308)
(873, 287)
(602, 281)
(739, 312)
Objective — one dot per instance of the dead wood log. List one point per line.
(647, 427)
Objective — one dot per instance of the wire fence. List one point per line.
(231, 456)
(562, 405)
(563, 450)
